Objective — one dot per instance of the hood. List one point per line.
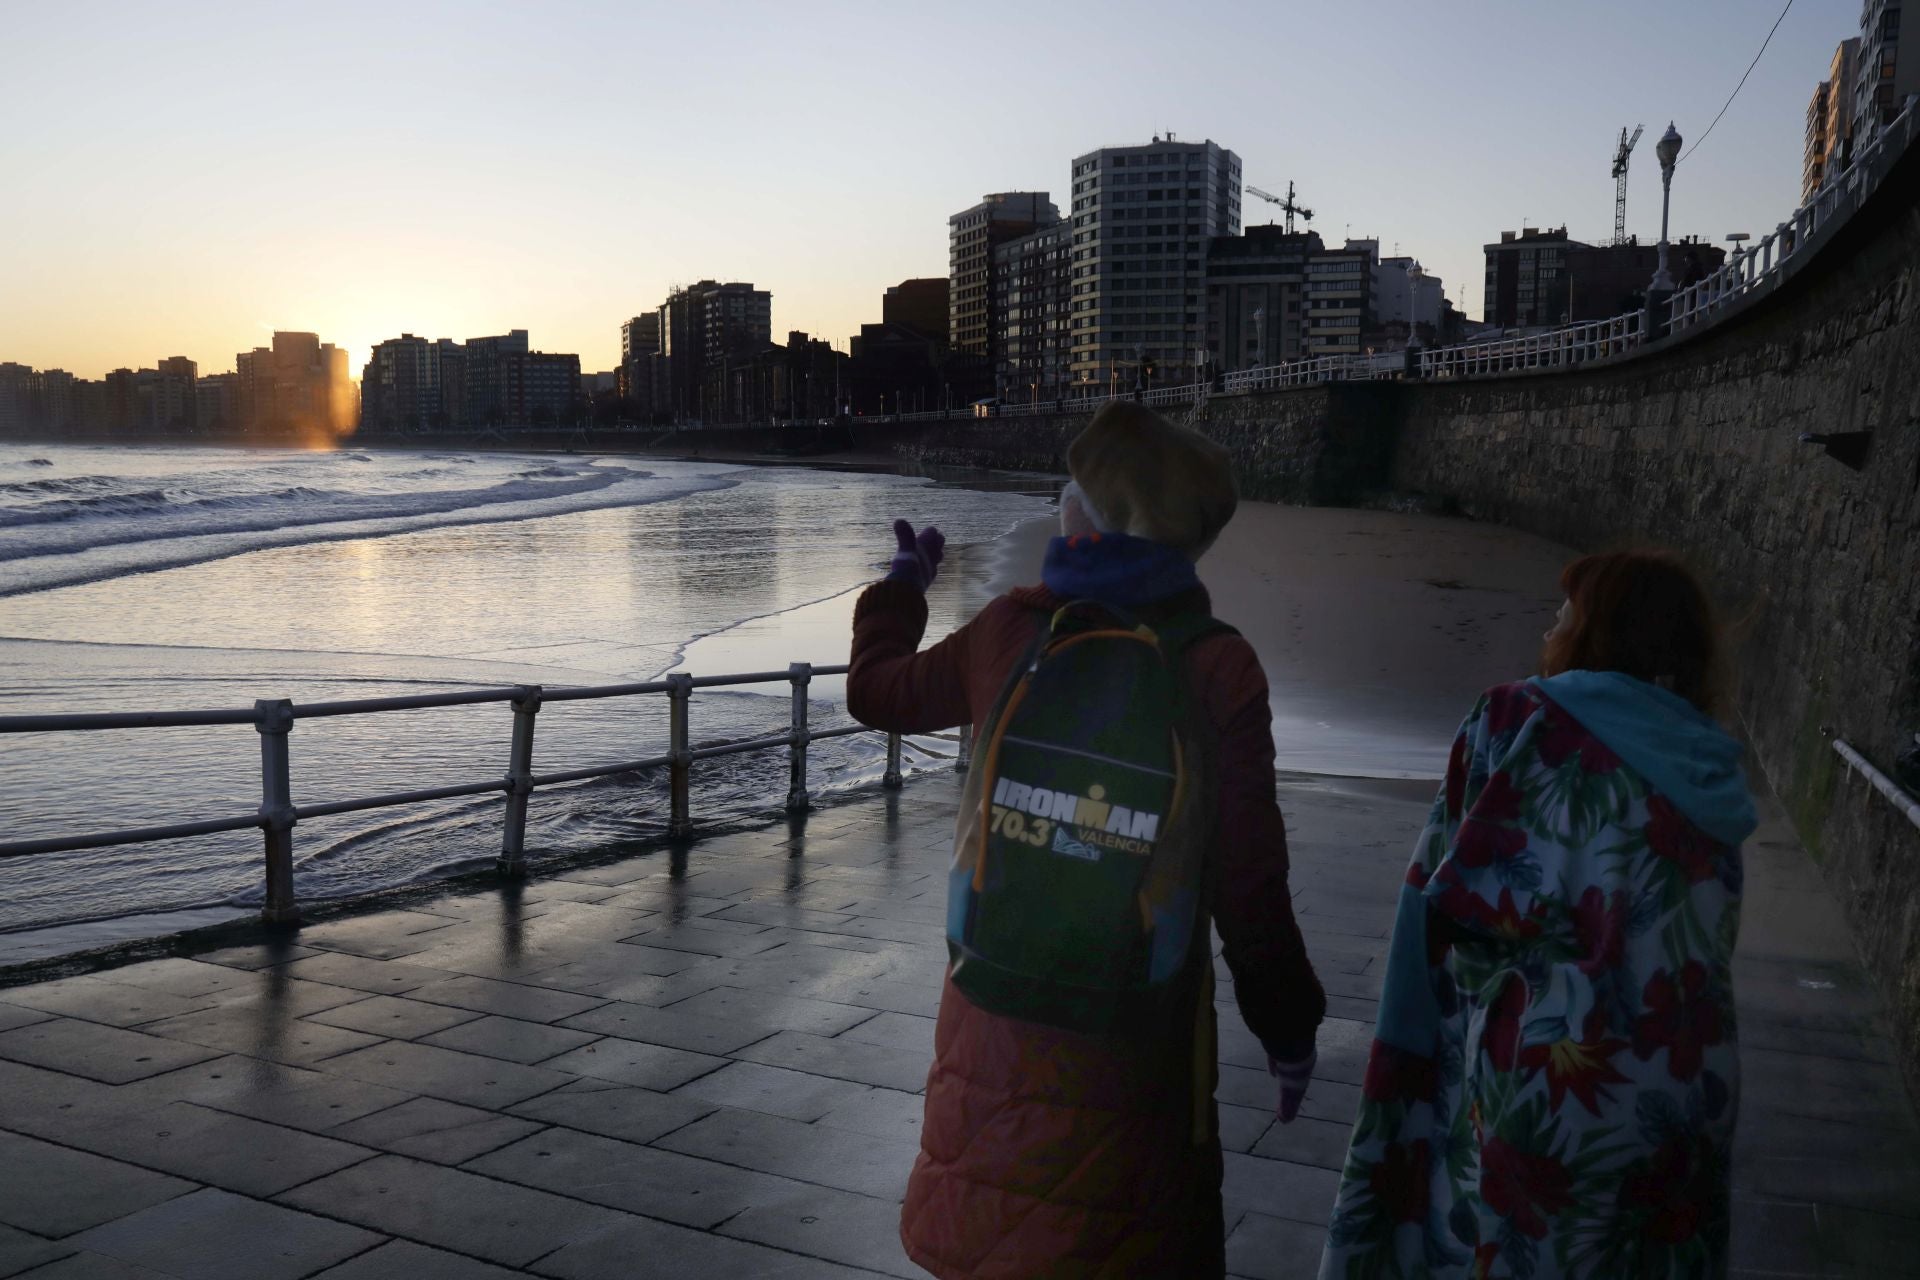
(1682, 752)
(1116, 569)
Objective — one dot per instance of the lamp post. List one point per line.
(1668, 151)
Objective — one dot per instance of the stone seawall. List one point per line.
(1319, 446)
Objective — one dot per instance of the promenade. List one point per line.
(708, 1062)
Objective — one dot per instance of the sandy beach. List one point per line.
(1377, 629)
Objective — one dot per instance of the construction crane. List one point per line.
(1288, 206)
(1620, 157)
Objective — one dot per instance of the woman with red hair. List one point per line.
(1552, 1085)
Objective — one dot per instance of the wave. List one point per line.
(149, 515)
(73, 552)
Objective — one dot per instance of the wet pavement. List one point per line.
(709, 1062)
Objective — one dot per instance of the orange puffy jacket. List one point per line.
(1052, 1153)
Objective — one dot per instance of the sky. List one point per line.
(185, 179)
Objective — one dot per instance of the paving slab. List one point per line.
(178, 977)
(252, 1240)
(670, 1027)
(269, 1091)
(222, 1150)
(1296, 1192)
(98, 1052)
(393, 1017)
(404, 1260)
(55, 1191)
(22, 1251)
(446, 1073)
(87, 1265)
(650, 1066)
(13, 1015)
(262, 1028)
(508, 999)
(782, 1013)
(492, 1036)
(774, 1090)
(482, 1217)
(95, 999)
(617, 1111)
(1263, 1247)
(432, 1129)
(906, 1032)
(859, 1231)
(621, 1175)
(257, 955)
(809, 1153)
(843, 1059)
(384, 935)
(379, 977)
(680, 1251)
(50, 1104)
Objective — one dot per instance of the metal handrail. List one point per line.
(1750, 270)
(278, 815)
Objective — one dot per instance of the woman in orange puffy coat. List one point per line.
(1054, 1153)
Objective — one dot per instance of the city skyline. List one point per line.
(465, 177)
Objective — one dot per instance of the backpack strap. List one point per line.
(1181, 632)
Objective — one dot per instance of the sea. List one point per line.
(164, 578)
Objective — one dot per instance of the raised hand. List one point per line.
(918, 556)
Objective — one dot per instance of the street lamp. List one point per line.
(1668, 151)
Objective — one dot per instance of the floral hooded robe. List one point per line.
(1552, 1087)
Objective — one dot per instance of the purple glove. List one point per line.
(1294, 1078)
(918, 558)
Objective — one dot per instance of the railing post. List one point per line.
(273, 717)
(964, 756)
(513, 842)
(892, 780)
(801, 674)
(679, 822)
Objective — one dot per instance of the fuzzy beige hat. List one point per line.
(1153, 479)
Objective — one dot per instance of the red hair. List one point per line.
(1642, 613)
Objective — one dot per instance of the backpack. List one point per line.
(1076, 896)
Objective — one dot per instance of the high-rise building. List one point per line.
(641, 365)
(14, 379)
(175, 386)
(297, 389)
(1526, 284)
(213, 404)
(972, 237)
(53, 405)
(1143, 218)
(1256, 297)
(1340, 298)
(507, 384)
(1888, 67)
(401, 388)
(737, 319)
(1031, 298)
(707, 322)
(1828, 146)
(1814, 144)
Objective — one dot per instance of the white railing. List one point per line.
(1748, 271)
(1557, 349)
(274, 719)
(1365, 367)
(1756, 268)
